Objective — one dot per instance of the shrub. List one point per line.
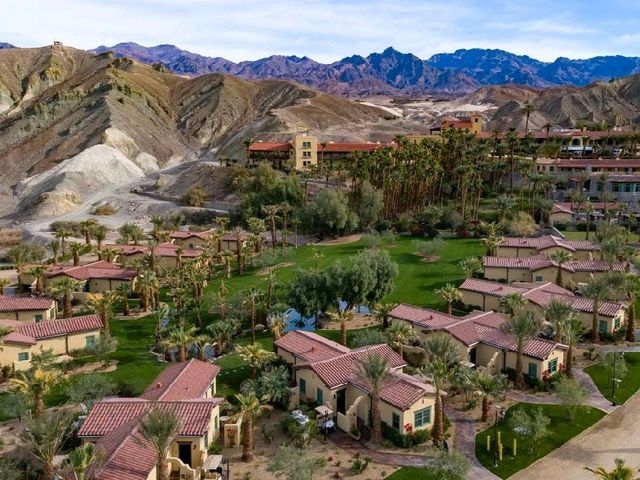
(359, 464)
(195, 197)
(214, 448)
(105, 210)
(431, 248)
(124, 389)
(560, 226)
(408, 440)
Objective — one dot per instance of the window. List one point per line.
(38, 318)
(553, 365)
(191, 245)
(422, 417)
(538, 278)
(306, 154)
(319, 395)
(206, 439)
(395, 421)
(302, 386)
(616, 323)
(90, 341)
(23, 356)
(306, 144)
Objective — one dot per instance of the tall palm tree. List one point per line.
(272, 212)
(227, 257)
(285, 209)
(44, 438)
(598, 290)
(62, 236)
(249, 408)
(238, 235)
(4, 283)
(35, 384)
(342, 316)
(450, 294)
(38, 272)
(100, 234)
(253, 297)
(159, 427)
(54, 246)
(256, 356)
(527, 110)
(572, 329)
(512, 303)
(523, 327)
(383, 313)
(278, 324)
(181, 337)
(124, 291)
(102, 304)
(620, 472)
(145, 284)
(631, 288)
(375, 370)
(65, 288)
(77, 249)
(82, 458)
(487, 386)
(560, 257)
(221, 332)
(555, 312)
(399, 334)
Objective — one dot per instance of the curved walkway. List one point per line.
(351, 445)
(464, 440)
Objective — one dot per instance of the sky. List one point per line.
(331, 29)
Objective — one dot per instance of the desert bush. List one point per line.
(105, 210)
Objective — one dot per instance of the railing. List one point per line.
(185, 471)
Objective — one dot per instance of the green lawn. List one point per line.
(577, 235)
(629, 385)
(561, 430)
(412, 473)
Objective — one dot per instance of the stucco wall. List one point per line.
(29, 315)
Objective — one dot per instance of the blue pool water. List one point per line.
(295, 321)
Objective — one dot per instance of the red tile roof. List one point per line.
(182, 234)
(163, 250)
(423, 317)
(270, 147)
(353, 147)
(309, 346)
(30, 333)
(183, 381)
(535, 262)
(96, 270)
(15, 304)
(548, 241)
(399, 389)
(109, 414)
(597, 163)
(338, 370)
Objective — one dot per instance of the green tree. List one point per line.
(560, 257)
(572, 329)
(527, 110)
(86, 227)
(89, 389)
(35, 384)
(450, 294)
(221, 333)
(180, 337)
(555, 313)
(471, 266)
(369, 205)
(102, 304)
(330, 214)
(81, 459)
(523, 327)
(145, 284)
(487, 387)
(383, 313)
(23, 254)
(620, 471)
(375, 371)
(104, 346)
(399, 334)
(598, 290)
(530, 428)
(44, 438)
(343, 317)
(77, 250)
(159, 427)
(124, 292)
(249, 408)
(451, 465)
(38, 272)
(256, 356)
(571, 395)
(513, 303)
(64, 288)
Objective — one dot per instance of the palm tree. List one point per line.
(44, 438)
(65, 288)
(62, 236)
(272, 211)
(631, 287)
(399, 334)
(249, 408)
(102, 305)
(278, 324)
(180, 337)
(54, 246)
(35, 384)
(383, 312)
(221, 332)
(159, 427)
(256, 356)
(253, 297)
(560, 257)
(555, 313)
(523, 327)
(4, 283)
(124, 291)
(449, 294)
(342, 316)
(82, 458)
(38, 272)
(491, 243)
(77, 249)
(487, 386)
(620, 472)
(588, 208)
(572, 329)
(238, 235)
(527, 110)
(512, 303)
(375, 370)
(227, 256)
(145, 284)
(285, 209)
(547, 127)
(598, 290)
(100, 233)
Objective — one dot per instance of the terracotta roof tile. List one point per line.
(399, 389)
(309, 346)
(97, 270)
(423, 317)
(183, 381)
(14, 304)
(30, 333)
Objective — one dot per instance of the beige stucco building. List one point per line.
(100, 276)
(547, 244)
(480, 341)
(61, 336)
(189, 390)
(27, 309)
(327, 373)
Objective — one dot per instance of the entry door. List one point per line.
(473, 355)
(533, 370)
(341, 401)
(184, 453)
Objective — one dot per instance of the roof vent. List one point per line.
(158, 386)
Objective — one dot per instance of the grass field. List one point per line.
(561, 429)
(413, 473)
(629, 385)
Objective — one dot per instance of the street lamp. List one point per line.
(614, 380)
(499, 417)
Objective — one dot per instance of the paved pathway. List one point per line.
(616, 435)
(351, 445)
(464, 440)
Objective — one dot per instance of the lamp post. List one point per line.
(499, 416)
(615, 380)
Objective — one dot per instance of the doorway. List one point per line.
(184, 453)
(341, 401)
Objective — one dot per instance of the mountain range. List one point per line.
(392, 72)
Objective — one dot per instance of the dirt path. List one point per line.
(615, 436)
(340, 241)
